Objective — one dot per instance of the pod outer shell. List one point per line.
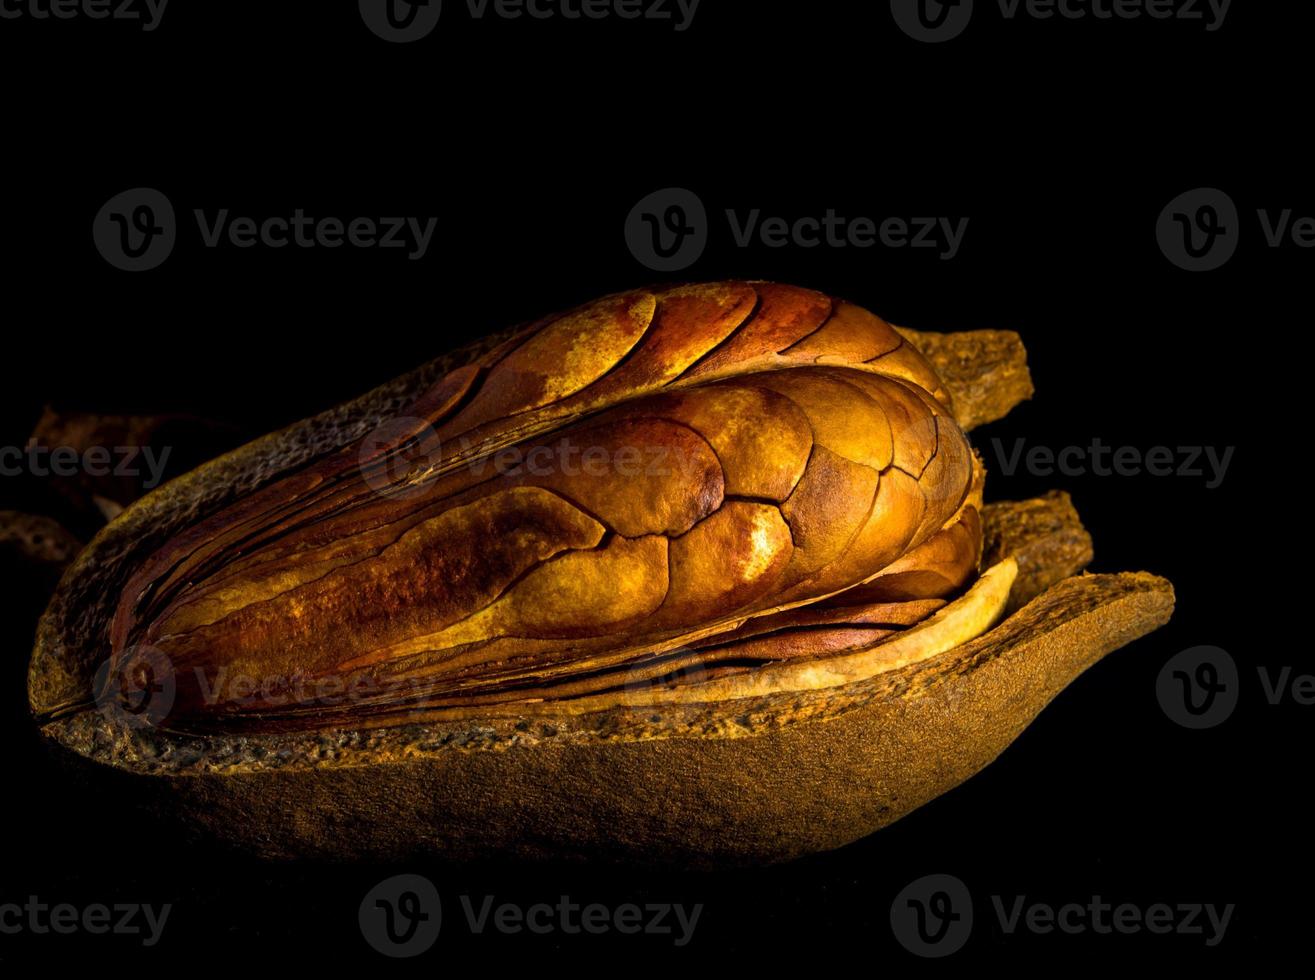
(759, 780)
(730, 784)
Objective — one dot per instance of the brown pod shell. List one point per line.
(734, 760)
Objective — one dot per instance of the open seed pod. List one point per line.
(693, 575)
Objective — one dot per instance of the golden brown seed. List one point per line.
(647, 471)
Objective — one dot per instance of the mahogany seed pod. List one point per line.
(660, 543)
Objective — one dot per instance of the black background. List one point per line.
(530, 142)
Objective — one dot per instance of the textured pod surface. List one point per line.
(610, 485)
